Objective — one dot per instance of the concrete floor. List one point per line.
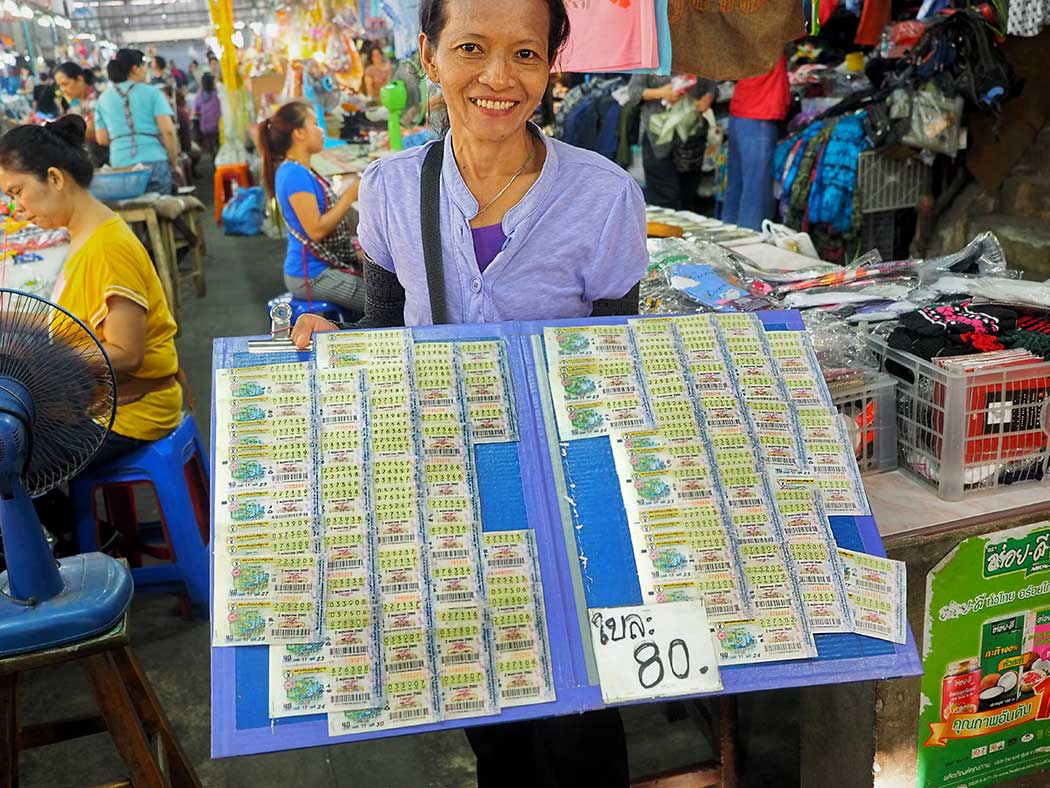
(242, 275)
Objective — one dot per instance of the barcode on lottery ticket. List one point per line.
(466, 705)
(620, 390)
(745, 502)
(405, 666)
(476, 400)
(341, 418)
(441, 555)
(627, 423)
(441, 452)
(286, 478)
(869, 585)
(832, 470)
(769, 604)
(398, 588)
(346, 563)
(520, 692)
(348, 651)
(409, 714)
(293, 632)
(695, 495)
(291, 588)
(351, 697)
(489, 433)
(811, 580)
(721, 610)
(515, 645)
(825, 621)
(505, 562)
(385, 539)
(882, 629)
(456, 659)
(455, 596)
(781, 648)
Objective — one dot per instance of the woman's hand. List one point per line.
(306, 326)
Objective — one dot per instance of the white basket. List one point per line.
(868, 408)
(964, 432)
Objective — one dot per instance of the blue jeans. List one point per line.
(160, 179)
(749, 194)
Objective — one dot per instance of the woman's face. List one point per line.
(376, 57)
(45, 203)
(71, 88)
(491, 61)
(311, 134)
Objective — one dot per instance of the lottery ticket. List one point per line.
(517, 621)
(877, 595)
(306, 679)
(595, 381)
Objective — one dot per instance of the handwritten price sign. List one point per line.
(653, 651)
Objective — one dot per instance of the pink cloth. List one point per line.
(611, 35)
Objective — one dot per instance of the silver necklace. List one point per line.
(514, 177)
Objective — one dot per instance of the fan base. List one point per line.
(96, 592)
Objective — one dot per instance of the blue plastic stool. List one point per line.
(326, 309)
(176, 468)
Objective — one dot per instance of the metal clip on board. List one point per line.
(280, 340)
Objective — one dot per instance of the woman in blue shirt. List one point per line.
(136, 121)
(321, 263)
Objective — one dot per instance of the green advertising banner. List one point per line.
(984, 711)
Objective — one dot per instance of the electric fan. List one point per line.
(405, 98)
(320, 90)
(57, 402)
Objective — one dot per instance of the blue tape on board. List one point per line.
(610, 575)
(499, 485)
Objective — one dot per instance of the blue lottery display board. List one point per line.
(522, 485)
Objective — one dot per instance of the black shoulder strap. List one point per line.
(430, 219)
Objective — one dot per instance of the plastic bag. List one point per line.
(244, 214)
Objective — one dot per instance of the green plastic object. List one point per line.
(394, 97)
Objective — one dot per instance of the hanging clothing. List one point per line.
(873, 20)
(765, 97)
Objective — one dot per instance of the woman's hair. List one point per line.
(73, 70)
(119, 68)
(59, 144)
(160, 62)
(275, 137)
(207, 83)
(432, 22)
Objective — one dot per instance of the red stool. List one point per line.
(225, 175)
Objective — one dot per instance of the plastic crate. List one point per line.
(868, 408)
(879, 231)
(964, 432)
(886, 184)
(119, 185)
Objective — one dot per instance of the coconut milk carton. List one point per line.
(1002, 660)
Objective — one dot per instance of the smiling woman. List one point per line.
(520, 227)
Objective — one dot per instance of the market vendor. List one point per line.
(78, 91)
(137, 122)
(321, 262)
(108, 280)
(530, 229)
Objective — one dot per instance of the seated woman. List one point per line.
(108, 280)
(321, 263)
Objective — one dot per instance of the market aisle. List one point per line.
(242, 275)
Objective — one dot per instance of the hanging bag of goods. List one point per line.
(731, 39)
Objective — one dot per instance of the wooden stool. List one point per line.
(184, 209)
(224, 176)
(144, 210)
(129, 710)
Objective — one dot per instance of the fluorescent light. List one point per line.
(25, 12)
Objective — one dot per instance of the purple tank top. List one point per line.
(488, 241)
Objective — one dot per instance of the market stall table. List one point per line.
(524, 482)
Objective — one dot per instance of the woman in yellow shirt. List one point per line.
(108, 280)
